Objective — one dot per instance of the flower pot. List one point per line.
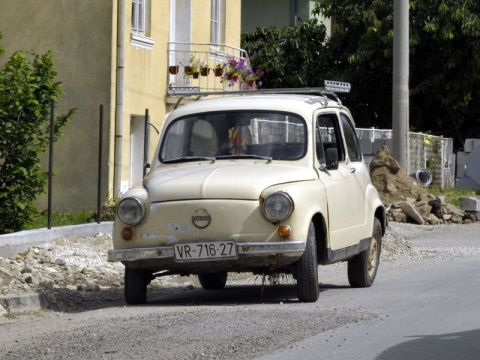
(195, 75)
(218, 71)
(205, 71)
(173, 70)
(250, 83)
(188, 70)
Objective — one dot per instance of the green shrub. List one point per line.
(27, 88)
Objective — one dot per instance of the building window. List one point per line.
(138, 16)
(141, 13)
(217, 22)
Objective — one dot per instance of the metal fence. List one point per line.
(209, 59)
(433, 153)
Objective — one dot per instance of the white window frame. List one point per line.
(217, 22)
(138, 16)
(141, 18)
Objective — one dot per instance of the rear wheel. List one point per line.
(136, 282)
(362, 268)
(307, 270)
(213, 281)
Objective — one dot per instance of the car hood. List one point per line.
(220, 181)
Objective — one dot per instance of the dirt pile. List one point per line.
(408, 201)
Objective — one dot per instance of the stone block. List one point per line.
(468, 146)
(460, 171)
(466, 182)
(366, 146)
(389, 144)
(470, 204)
(462, 158)
(471, 144)
(377, 144)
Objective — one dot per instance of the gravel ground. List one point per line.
(71, 272)
(87, 318)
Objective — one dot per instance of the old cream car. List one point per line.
(261, 183)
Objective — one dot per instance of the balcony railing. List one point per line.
(183, 81)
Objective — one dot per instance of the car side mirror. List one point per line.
(331, 158)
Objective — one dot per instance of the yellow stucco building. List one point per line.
(117, 53)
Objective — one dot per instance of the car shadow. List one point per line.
(74, 301)
(459, 345)
(232, 295)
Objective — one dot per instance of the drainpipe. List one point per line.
(119, 98)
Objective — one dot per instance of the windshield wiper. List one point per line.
(243, 156)
(188, 158)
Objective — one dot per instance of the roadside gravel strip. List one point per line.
(73, 275)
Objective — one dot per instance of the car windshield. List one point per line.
(234, 134)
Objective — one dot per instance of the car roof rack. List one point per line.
(331, 88)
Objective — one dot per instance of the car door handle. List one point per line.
(352, 170)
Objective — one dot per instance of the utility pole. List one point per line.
(400, 104)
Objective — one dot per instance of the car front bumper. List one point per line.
(166, 252)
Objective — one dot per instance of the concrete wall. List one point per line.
(275, 13)
(145, 83)
(79, 34)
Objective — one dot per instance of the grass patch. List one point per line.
(453, 195)
(107, 213)
(60, 219)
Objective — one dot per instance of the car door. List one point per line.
(345, 193)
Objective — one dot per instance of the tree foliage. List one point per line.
(27, 87)
(289, 57)
(444, 61)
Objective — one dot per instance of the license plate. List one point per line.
(205, 250)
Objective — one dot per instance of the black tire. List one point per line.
(213, 281)
(307, 270)
(136, 282)
(363, 267)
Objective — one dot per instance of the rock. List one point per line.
(433, 220)
(397, 216)
(60, 262)
(436, 205)
(396, 188)
(390, 179)
(26, 269)
(3, 311)
(451, 209)
(456, 219)
(469, 217)
(383, 159)
(92, 287)
(412, 212)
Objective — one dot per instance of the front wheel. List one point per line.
(307, 270)
(136, 282)
(363, 267)
(213, 281)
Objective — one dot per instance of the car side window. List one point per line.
(353, 146)
(327, 135)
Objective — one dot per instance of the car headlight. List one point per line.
(131, 211)
(277, 206)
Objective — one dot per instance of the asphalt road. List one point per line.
(426, 310)
(417, 309)
(429, 310)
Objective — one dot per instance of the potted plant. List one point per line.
(239, 70)
(173, 69)
(218, 70)
(194, 67)
(204, 70)
(233, 70)
(250, 78)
